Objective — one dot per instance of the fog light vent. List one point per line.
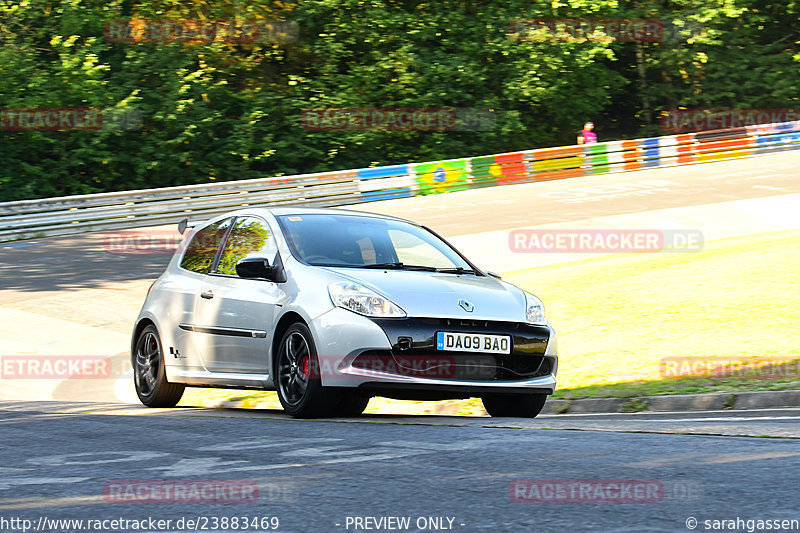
(404, 343)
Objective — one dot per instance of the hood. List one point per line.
(437, 295)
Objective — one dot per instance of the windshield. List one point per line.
(366, 242)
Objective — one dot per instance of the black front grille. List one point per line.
(454, 366)
(483, 325)
(414, 352)
(523, 367)
(420, 333)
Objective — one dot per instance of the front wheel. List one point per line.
(517, 405)
(299, 380)
(149, 374)
(352, 404)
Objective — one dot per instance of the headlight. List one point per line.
(359, 299)
(534, 310)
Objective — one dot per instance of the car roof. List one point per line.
(289, 210)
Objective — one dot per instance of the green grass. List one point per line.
(618, 316)
(785, 377)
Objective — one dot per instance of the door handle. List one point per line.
(207, 295)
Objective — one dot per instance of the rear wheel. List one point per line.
(517, 405)
(299, 382)
(149, 374)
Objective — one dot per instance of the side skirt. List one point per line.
(195, 378)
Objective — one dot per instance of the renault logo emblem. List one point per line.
(466, 306)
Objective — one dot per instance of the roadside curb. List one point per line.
(718, 401)
(680, 402)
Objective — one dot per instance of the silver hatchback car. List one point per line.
(331, 307)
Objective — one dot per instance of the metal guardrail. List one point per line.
(148, 207)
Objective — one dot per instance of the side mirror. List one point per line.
(184, 224)
(254, 267)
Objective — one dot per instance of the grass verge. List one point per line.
(621, 318)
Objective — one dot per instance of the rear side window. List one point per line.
(250, 237)
(200, 252)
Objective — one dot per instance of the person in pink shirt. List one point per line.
(587, 136)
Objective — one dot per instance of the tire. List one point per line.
(299, 383)
(352, 404)
(517, 405)
(149, 374)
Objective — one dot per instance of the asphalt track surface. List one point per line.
(63, 462)
(60, 457)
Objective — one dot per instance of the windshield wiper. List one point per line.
(398, 266)
(381, 265)
(422, 268)
(457, 270)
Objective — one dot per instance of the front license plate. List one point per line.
(472, 342)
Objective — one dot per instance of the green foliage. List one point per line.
(634, 405)
(227, 111)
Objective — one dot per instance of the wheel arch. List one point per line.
(137, 330)
(286, 321)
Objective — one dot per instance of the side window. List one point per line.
(199, 254)
(250, 237)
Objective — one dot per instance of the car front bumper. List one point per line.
(398, 357)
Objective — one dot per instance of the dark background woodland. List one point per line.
(225, 111)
